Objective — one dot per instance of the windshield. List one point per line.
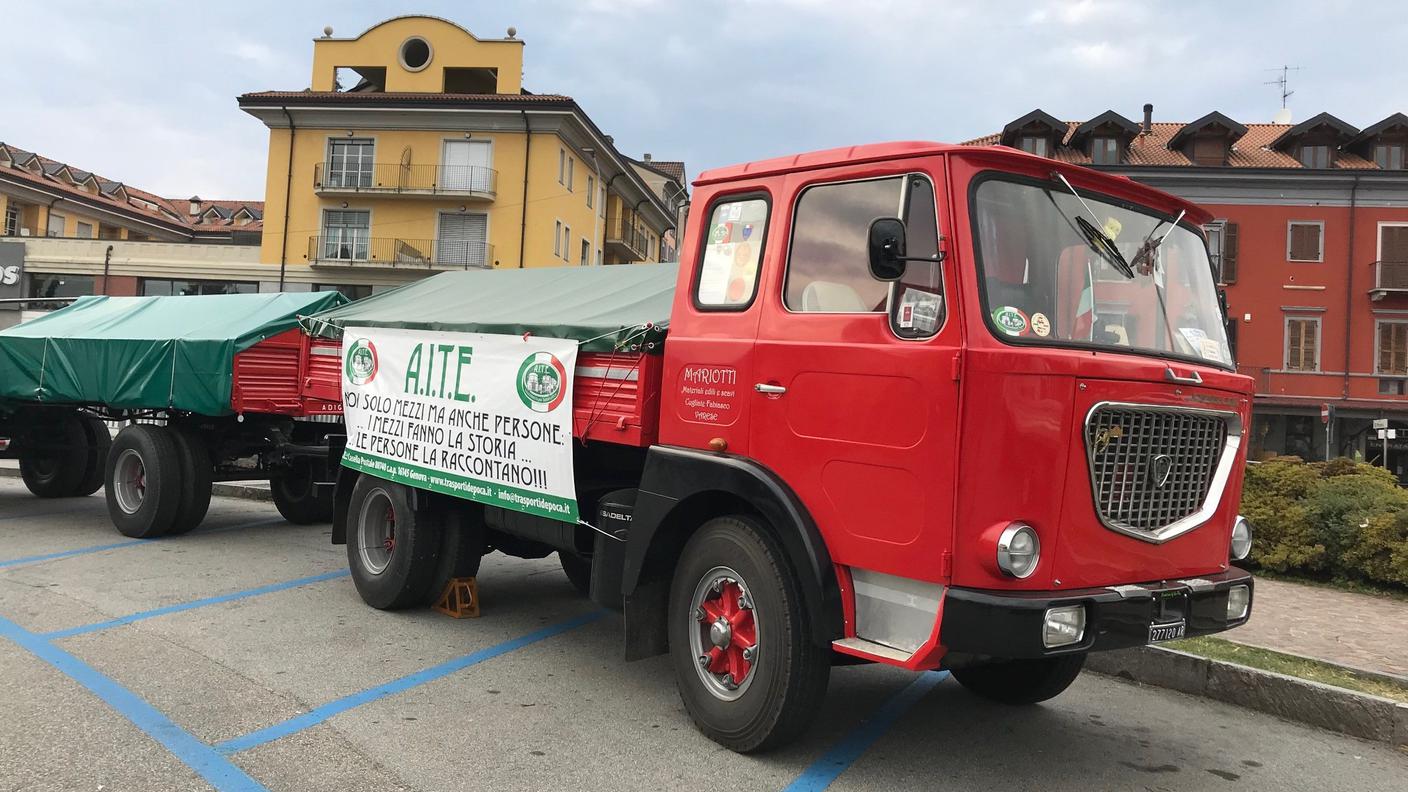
(1045, 281)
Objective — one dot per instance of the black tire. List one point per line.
(162, 479)
(195, 490)
(787, 680)
(1022, 682)
(57, 472)
(461, 548)
(402, 577)
(296, 497)
(579, 571)
(99, 443)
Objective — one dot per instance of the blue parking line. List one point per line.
(337, 706)
(843, 754)
(70, 553)
(216, 769)
(115, 545)
(200, 603)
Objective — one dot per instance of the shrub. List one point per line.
(1341, 519)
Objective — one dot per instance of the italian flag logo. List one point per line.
(541, 382)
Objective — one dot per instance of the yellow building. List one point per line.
(418, 150)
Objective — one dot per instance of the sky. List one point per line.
(144, 92)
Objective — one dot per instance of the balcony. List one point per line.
(469, 181)
(1390, 278)
(429, 254)
(624, 241)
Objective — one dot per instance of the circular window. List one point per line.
(415, 53)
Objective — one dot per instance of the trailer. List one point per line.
(920, 405)
(210, 388)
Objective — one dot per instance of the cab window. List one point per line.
(733, 247)
(828, 270)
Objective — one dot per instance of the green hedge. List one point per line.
(1339, 519)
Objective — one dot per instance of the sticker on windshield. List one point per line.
(1212, 350)
(1010, 320)
(1195, 336)
(1041, 325)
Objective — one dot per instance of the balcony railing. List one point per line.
(385, 178)
(628, 241)
(1390, 277)
(349, 250)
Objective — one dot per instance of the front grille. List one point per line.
(1152, 467)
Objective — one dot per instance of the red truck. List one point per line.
(924, 405)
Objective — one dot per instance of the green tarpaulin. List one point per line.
(604, 308)
(145, 352)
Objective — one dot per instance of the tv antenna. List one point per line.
(1282, 81)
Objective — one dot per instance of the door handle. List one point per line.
(771, 390)
(1193, 378)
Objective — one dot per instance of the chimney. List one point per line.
(647, 157)
(1148, 118)
(195, 204)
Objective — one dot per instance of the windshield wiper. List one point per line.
(1096, 238)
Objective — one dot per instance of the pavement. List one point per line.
(239, 657)
(1360, 631)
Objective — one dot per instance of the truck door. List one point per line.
(855, 395)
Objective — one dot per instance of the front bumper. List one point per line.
(1010, 624)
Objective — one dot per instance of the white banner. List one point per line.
(482, 417)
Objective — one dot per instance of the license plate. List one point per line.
(1167, 632)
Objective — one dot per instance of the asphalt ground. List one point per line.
(239, 657)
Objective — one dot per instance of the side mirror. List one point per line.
(887, 249)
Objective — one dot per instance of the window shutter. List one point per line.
(1393, 244)
(1229, 253)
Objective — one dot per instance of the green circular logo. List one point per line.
(1010, 320)
(361, 362)
(541, 382)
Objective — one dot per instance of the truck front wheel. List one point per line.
(745, 663)
(1021, 682)
(391, 547)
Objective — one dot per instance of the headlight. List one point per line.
(1018, 550)
(1064, 626)
(1241, 538)
(1239, 600)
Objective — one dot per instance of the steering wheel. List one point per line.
(1104, 246)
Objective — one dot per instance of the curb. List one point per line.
(252, 492)
(1302, 701)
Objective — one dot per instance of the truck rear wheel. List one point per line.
(57, 471)
(461, 548)
(296, 496)
(578, 570)
(196, 488)
(99, 443)
(391, 548)
(1020, 682)
(745, 663)
(144, 480)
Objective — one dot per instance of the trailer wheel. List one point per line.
(296, 497)
(196, 488)
(391, 548)
(745, 663)
(58, 472)
(579, 571)
(1021, 682)
(99, 443)
(144, 479)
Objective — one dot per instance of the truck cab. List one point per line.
(982, 403)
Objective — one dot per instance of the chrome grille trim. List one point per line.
(1203, 445)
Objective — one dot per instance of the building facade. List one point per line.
(1310, 245)
(70, 232)
(418, 150)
